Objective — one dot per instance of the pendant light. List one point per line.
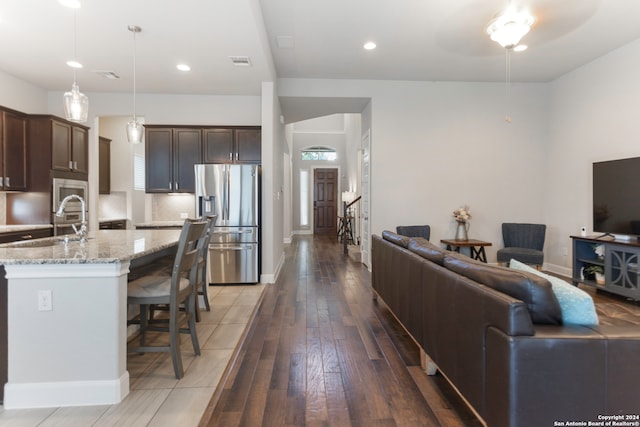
(76, 104)
(134, 127)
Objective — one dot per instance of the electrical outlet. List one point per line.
(184, 215)
(45, 301)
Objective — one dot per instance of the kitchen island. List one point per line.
(67, 315)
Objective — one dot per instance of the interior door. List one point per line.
(325, 201)
(365, 247)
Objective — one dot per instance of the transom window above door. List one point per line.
(319, 153)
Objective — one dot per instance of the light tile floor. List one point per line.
(157, 398)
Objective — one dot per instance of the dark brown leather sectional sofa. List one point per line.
(497, 336)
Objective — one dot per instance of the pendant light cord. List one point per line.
(75, 43)
(134, 30)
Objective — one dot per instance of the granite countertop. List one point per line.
(101, 247)
(160, 224)
(12, 228)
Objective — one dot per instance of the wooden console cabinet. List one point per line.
(620, 264)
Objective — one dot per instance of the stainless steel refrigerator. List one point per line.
(232, 193)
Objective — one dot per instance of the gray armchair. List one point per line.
(522, 242)
(414, 231)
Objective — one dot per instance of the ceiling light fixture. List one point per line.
(369, 45)
(134, 127)
(76, 104)
(183, 67)
(507, 30)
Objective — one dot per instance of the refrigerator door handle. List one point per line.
(231, 248)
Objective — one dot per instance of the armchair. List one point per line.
(523, 242)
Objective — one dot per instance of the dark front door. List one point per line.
(325, 201)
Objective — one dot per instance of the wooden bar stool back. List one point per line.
(172, 291)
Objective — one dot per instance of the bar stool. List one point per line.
(202, 287)
(171, 291)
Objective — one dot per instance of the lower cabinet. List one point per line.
(16, 236)
(119, 224)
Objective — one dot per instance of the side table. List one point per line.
(476, 247)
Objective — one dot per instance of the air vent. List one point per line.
(240, 61)
(107, 74)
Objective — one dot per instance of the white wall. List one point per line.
(22, 96)
(273, 182)
(437, 146)
(594, 116)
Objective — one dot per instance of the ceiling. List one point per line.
(432, 40)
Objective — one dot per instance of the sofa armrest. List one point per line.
(573, 372)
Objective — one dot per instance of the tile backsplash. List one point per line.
(169, 207)
(113, 206)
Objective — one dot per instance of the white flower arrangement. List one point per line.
(462, 214)
(599, 250)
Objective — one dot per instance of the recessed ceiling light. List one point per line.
(183, 67)
(74, 4)
(369, 45)
(520, 48)
(74, 64)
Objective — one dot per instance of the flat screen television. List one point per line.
(616, 197)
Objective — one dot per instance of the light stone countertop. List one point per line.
(12, 228)
(160, 224)
(101, 247)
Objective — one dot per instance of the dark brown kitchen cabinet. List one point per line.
(232, 145)
(13, 151)
(65, 143)
(27, 234)
(171, 154)
(248, 146)
(104, 158)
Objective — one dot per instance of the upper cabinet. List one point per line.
(172, 151)
(232, 145)
(104, 174)
(13, 151)
(66, 144)
(170, 155)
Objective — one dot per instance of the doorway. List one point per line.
(325, 201)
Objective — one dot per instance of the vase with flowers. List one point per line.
(462, 216)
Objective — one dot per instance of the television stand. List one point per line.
(620, 264)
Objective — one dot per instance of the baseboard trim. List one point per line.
(65, 393)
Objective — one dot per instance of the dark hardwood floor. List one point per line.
(322, 352)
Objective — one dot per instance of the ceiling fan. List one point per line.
(464, 31)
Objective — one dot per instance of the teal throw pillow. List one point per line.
(576, 305)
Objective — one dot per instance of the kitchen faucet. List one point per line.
(83, 225)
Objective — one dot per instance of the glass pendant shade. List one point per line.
(76, 105)
(134, 127)
(134, 131)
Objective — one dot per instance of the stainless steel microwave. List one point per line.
(66, 187)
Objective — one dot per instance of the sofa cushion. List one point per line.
(576, 305)
(396, 238)
(533, 290)
(427, 250)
